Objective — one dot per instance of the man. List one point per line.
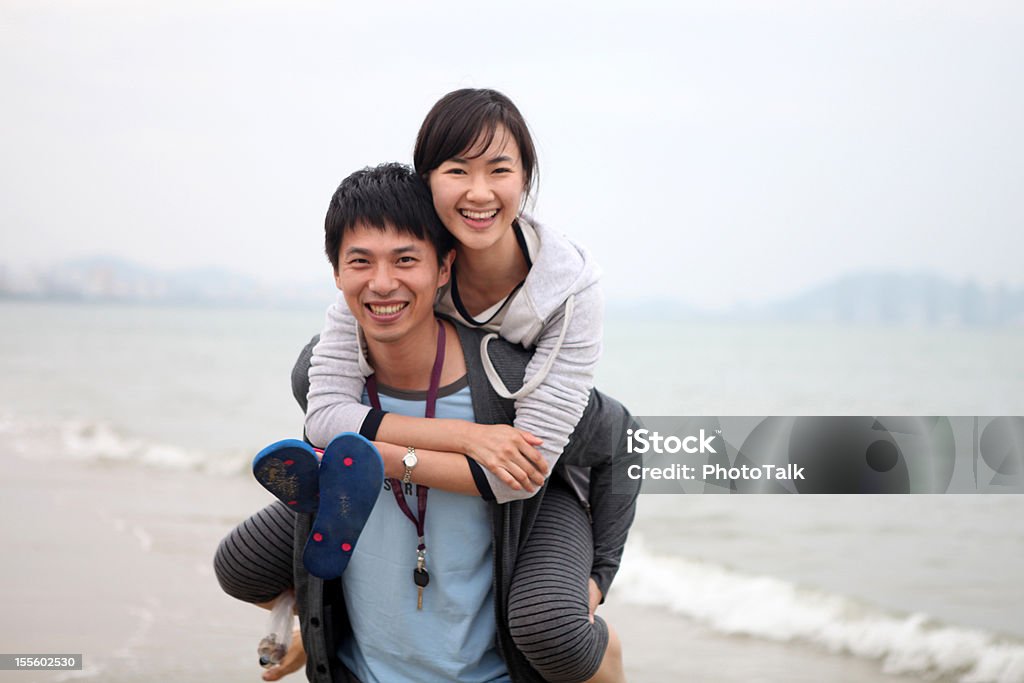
(393, 256)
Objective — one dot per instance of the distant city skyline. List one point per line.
(709, 153)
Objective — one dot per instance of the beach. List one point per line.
(114, 562)
(795, 250)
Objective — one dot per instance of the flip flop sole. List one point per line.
(289, 469)
(351, 476)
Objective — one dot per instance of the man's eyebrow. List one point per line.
(363, 251)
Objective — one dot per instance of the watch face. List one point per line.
(409, 460)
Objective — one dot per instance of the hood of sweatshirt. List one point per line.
(561, 268)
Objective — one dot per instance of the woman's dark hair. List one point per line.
(470, 118)
(389, 196)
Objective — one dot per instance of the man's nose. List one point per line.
(383, 281)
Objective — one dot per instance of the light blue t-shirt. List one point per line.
(453, 637)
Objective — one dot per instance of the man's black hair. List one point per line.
(389, 196)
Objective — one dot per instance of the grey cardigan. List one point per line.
(594, 458)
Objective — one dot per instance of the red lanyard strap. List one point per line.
(431, 410)
(421, 508)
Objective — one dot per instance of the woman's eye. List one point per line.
(503, 170)
(455, 171)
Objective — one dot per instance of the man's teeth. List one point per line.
(386, 310)
(479, 215)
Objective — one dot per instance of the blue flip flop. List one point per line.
(290, 470)
(351, 477)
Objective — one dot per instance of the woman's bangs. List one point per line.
(480, 140)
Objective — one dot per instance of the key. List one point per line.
(421, 578)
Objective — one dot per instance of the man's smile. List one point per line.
(386, 311)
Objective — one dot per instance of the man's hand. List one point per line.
(509, 453)
(595, 597)
(294, 659)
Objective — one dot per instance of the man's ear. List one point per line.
(337, 279)
(445, 271)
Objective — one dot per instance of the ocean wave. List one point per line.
(84, 440)
(735, 603)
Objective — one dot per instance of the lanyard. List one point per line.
(396, 485)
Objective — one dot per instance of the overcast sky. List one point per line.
(708, 152)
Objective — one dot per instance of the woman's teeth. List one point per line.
(386, 310)
(479, 215)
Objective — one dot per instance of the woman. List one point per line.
(533, 287)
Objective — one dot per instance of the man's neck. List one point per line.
(406, 363)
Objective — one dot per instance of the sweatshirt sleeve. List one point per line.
(552, 410)
(336, 382)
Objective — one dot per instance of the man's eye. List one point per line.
(357, 262)
(407, 260)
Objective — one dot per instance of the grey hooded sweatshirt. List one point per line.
(557, 313)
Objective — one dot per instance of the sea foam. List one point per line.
(98, 441)
(735, 603)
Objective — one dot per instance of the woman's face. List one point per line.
(478, 194)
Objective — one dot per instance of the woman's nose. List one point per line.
(479, 188)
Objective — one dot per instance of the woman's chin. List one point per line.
(478, 239)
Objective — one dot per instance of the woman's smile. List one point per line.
(479, 220)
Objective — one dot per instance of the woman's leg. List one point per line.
(254, 561)
(548, 601)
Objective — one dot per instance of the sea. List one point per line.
(925, 586)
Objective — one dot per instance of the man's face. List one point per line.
(389, 280)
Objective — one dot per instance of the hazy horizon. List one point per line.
(872, 297)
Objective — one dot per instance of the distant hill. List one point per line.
(894, 298)
(883, 298)
(112, 279)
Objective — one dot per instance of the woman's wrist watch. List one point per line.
(409, 460)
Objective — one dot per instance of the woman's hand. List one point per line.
(509, 453)
(294, 659)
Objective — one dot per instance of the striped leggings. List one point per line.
(548, 601)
